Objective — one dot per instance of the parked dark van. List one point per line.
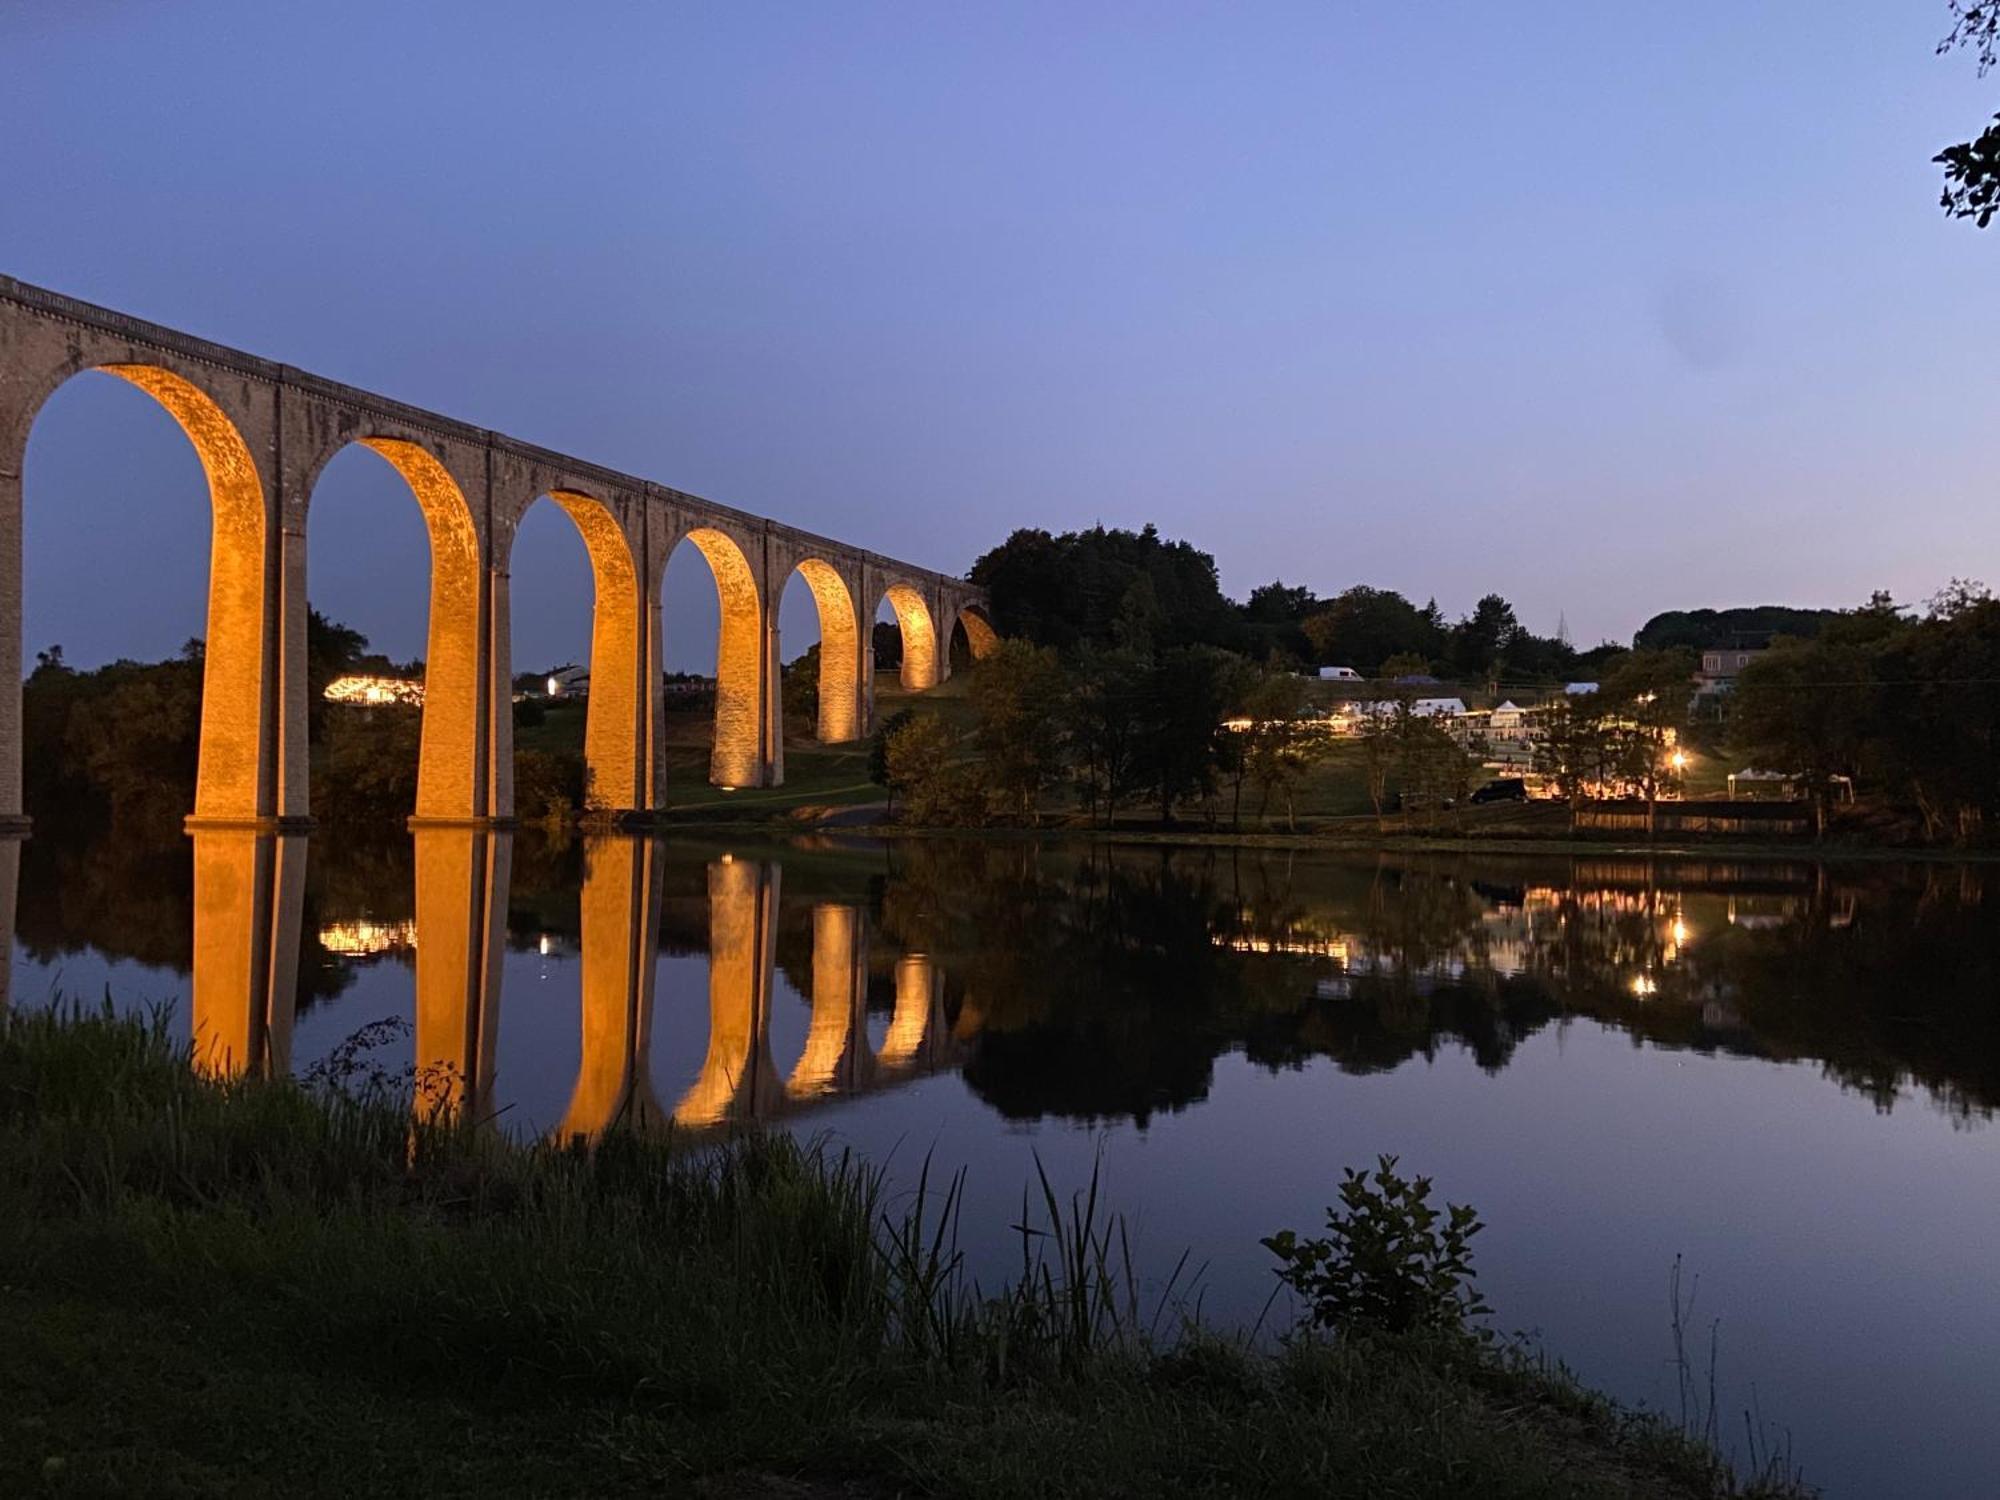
(1503, 789)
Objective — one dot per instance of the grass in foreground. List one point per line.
(257, 1288)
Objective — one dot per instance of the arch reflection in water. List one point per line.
(249, 896)
(249, 892)
(461, 911)
(739, 1081)
(742, 912)
(919, 1015)
(620, 938)
(836, 1040)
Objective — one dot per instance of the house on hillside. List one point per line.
(1726, 664)
(1720, 667)
(569, 682)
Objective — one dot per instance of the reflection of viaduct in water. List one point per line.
(249, 891)
(265, 433)
(739, 1082)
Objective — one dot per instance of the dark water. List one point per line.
(1784, 1073)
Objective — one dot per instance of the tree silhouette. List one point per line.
(1972, 168)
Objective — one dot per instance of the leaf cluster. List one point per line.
(1389, 1263)
(1972, 168)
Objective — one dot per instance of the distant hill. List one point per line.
(1748, 625)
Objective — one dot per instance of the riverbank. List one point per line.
(806, 819)
(275, 1289)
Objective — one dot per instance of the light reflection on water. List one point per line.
(1783, 1072)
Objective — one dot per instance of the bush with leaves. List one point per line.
(1390, 1263)
(551, 787)
(937, 787)
(878, 747)
(1018, 703)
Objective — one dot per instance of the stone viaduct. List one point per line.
(264, 432)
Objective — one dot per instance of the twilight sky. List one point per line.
(1612, 308)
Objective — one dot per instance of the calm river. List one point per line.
(1783, 1073)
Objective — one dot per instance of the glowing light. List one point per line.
(555, 687)
(1680, 932)
(1678, 760)
(374, 692)
(1644, 986)
(362, 938)
(1339, 949)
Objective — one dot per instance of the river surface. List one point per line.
(1782, 1073)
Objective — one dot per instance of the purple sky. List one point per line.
(1612, 308)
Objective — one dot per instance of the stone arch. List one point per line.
(920, 641)
(980, 636)
(741, 713)
(981, 639)
(840, 707)
(235, 779)
(451, 760)
(613, 743)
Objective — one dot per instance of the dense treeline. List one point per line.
(118, 746)
(1189, 727)
(1124, 658)
(1109, 589)
(1905, 710)
(1749, 626)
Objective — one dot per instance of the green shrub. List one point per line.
(550, 786)
(1390, 1263)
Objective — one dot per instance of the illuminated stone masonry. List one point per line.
(264, 433)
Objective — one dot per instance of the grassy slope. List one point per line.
(256, 1290)
(816, 776)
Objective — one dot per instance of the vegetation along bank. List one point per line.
(304, 1288)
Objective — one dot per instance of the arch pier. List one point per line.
(265, 431)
